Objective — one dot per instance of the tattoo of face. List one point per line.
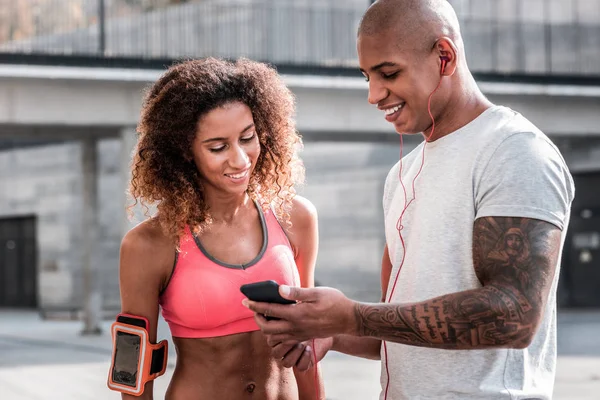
(514, 259)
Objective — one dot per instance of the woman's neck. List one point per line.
(225, 207)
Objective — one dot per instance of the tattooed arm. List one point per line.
(514, 259)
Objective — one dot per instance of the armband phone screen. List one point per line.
(126, 358)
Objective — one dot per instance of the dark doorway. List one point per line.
(580, 278)
(18, 262)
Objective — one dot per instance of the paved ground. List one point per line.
(50, 360)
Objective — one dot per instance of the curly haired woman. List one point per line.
(217, 157)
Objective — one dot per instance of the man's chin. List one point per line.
(403, 130)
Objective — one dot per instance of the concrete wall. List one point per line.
(44, 181)
(47, 181)
(345, 182)
(97, 97)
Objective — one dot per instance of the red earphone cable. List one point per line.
(399, 225)
(317, 389)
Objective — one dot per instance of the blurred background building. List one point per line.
(72, 75)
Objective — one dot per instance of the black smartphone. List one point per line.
(266, 292)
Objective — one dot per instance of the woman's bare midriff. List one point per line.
(233, 367)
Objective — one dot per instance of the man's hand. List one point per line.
(320, 313)
(302, 355)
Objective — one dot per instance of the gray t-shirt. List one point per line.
(498, 165)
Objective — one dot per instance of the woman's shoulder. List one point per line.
(303, 212)
(302, 220)
(148, 242)
(148, 232)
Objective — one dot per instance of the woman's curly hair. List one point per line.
(163, 170)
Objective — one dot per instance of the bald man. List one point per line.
(475, 221)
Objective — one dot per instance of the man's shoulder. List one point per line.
(507, 122)
(498, 123)
(507, 131)
(516, 123)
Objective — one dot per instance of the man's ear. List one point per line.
(448, 55)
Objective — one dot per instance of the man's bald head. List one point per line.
(416, 24)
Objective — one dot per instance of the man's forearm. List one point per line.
(365, 347)
(489, 317)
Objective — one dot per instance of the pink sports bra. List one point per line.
(203, 298)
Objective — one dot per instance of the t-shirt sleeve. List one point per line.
(525, 177)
